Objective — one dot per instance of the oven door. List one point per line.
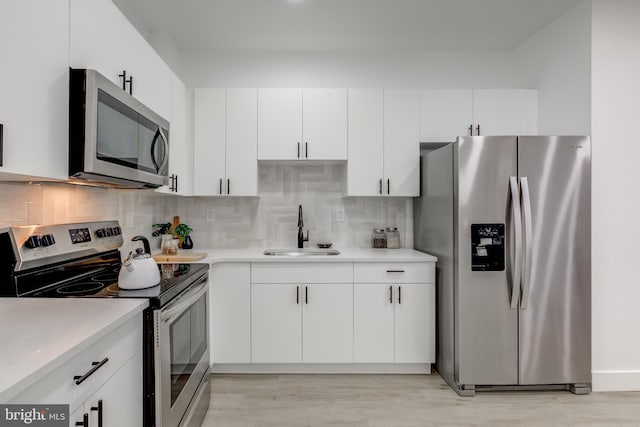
(181, 353)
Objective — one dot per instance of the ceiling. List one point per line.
(345, 25)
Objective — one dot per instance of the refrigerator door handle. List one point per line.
(517, 222)
(528, 244)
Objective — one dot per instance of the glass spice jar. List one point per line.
(393, 238)
(378, 238)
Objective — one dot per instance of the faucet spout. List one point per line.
(301, 238)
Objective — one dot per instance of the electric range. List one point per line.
(82, 260)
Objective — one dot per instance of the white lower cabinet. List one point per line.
(373, 324)
(415, 323)
(394, 313)
(112, 404)
(107, 374)
(309, 323)
(373, 313)
(230, 319)
(276, 323)
(327, 323)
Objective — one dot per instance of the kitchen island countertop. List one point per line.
(39, 335)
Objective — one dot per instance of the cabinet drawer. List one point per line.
(294, 272)
(394, 272)
(59, 387)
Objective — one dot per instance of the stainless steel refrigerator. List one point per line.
(509, 218)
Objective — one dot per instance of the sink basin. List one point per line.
(160, 258)
(301, 252)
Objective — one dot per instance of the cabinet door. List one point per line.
(180, 141)
(121, 396)
(209, 136)
(324, 124)
(276, 323)
(98, 37)
(34, 87)
(373, 320)
(327, 323)
(230, 324)
(401, 145)
(445, 114)
(279, 124)
(505, 112)
(102, 38)
(242, 143)
(415, 323)
(365, 164)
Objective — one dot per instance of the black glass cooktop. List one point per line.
(104, 283)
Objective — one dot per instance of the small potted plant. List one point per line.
(160, 229)
(183, 231)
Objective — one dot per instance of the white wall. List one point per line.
(363, 69)
(557, 61)
(615, 116)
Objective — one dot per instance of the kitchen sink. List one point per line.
(160, 258)
(301, 252)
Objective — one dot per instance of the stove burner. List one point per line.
(107, 277)
(80, 288)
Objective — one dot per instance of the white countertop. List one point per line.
(40, 334)
(346, 255)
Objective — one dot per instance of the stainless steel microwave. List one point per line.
(114, 140)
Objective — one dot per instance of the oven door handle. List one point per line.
(183, 302)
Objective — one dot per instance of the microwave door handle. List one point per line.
(159, 134)
(183, 302)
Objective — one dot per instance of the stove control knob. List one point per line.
(118, 231)
(48, 240)
(33, 242)
(100, 233)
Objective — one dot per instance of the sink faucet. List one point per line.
(301, 238)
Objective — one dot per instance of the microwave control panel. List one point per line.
(487, 247)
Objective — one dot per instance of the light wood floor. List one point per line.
(401, 400)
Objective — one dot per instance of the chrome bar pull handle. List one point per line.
(478, 130)
(220, 190)
(517, 222)
(306, 295)
(470, 130)
(298, 150)
(380, 186)
(297, 294)
(306, 150)
(228, 185)
(390, 294)
(528, 242)
(100, 410)
(79, 379)
(388, 186)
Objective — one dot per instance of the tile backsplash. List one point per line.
(269, 220)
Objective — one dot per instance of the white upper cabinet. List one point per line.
(242, 142)
(505, 112)
(209, 137)
(279, 124)
(225, 152)
(180, 142)
(384, 150)
(365, 167)
(324, 124)
(445, 114)
(401, 143)
(302, 124)
(101, 38)
(34, 88)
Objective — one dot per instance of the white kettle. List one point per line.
(139, 270)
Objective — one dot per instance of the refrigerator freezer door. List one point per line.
(555, 326)
(486, 344)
